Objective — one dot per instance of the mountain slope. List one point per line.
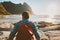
(16, 8)
(3, 10)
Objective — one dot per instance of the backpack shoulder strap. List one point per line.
(29, 24)
(19, 23)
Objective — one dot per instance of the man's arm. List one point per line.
(37, 35)
(14, 31)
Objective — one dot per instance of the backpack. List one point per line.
(25, 32)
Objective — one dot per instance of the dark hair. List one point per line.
(25, 15)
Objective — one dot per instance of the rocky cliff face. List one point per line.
(16, 8)
(3, 10)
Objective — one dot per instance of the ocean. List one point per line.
(33, 18)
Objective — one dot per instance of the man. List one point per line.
(20, 25)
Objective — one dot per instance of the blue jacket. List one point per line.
(14, 31)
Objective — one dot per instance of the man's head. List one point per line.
(25, 15)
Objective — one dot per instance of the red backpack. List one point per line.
(25, 32)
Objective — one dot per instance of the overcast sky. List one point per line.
(41, 7)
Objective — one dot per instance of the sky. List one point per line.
(41, 7)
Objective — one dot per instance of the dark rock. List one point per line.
(16, 8)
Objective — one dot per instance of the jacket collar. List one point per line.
(25, 21)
